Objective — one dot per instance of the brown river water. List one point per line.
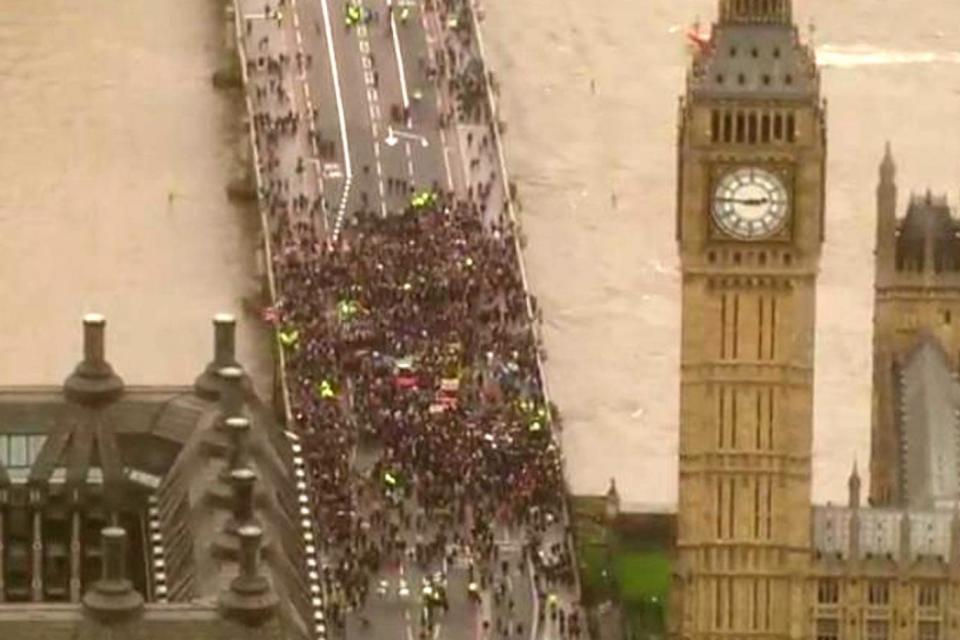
(605, 272)
(107, 109)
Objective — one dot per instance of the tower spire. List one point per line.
(888, 169)
(886, 218)
(853, 485)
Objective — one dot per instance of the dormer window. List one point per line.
(788, 79)
(776, 52)
(742, 79)
(755, 52)
(733, 52)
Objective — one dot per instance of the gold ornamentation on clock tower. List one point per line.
(750, 203)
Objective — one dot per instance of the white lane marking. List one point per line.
(446, 160)
(376, 130)
(365, 60)
(368, 77)
(343, 120)
(403, 76)
(253, 16)
(365, 47)
(376, 108)
(409, 161)
(372, 95)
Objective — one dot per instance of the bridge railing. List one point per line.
(308, 524)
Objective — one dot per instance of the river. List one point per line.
(604, 268)
(114, 156)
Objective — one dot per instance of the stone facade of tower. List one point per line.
(750, 211)
(917, 298)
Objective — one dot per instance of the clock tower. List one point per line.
(750, 224)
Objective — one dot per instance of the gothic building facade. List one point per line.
(754, 557)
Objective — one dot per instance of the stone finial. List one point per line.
(93, 380)
(242, 483)
(250, 599)
(239, 430)
(207, 383)
(113, 597)
(230, 381)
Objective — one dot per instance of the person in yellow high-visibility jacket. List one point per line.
(325, 389)
(289, 337)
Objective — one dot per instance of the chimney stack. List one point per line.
(249, 600)
(224, 355)
(113, 597)
(93, 380)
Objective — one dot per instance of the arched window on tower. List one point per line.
(727, 127)
(778, 127)
(791, 128)
(741, 127)
(765, 128)
(714, 125)
(752, 128)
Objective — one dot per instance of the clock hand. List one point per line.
(749, 201)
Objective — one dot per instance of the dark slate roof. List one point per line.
(928, 401)
(782, 69)
(928, 221)
(169, 433)
(143, 430)
(158, 622)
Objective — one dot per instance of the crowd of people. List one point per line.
(409, 346)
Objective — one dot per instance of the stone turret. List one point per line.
(853, 489)
(906, 547)
(955, 540)
(853, 535)
(207, 383)
(250, 599)
(113, 598)
(93, 381)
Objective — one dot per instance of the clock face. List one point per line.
(750, 203)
